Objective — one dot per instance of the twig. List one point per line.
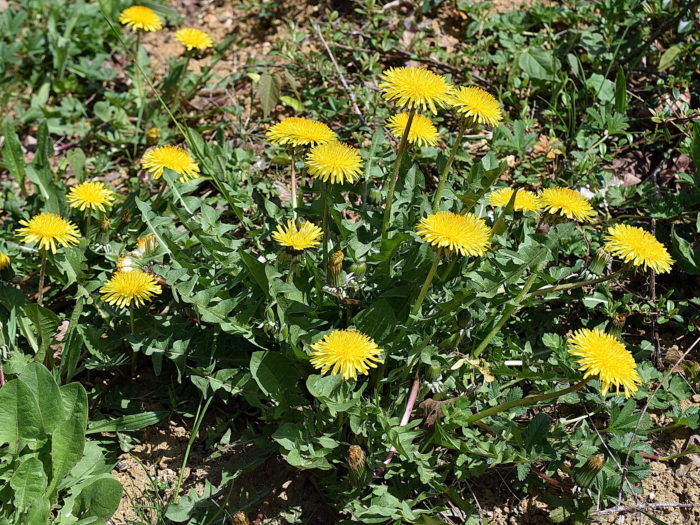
(642, 507)
(646, 407)
(344, 82)
(413, 394)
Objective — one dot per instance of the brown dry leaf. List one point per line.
(548, 147)
(432, 410)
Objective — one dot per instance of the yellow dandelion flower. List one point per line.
(345, 352)
(463, 234)
(5, 261)
(297, 131)
(172, 157)
(478, 105)
(638, 247)
(48, 229)
(141, 17)
(422, 131)
(193, 38)
(130, 287)
(416, 88)
(568, 203)
(90, 195)
(524, 200)
(604, 356)
(298, 238)
(334, 161)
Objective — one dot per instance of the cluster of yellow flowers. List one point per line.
(349, 352)
(141, 18)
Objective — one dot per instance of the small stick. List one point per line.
(413, 394)
(344, 82)
(642, 507)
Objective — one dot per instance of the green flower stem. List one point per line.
(141, 93)
(507, 313)
(292, 268)
(88, 222)
(42, 277)
(181, 80)
(131, 322)
(570, 286)
(426, 286)
(161, 190)
(525, 401)
(324, 197)
(198, 418)
(395, 174)
(294, 188)
(448, 165)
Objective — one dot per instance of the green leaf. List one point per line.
(12, 155)
(669, 57)
(539, 63)
(687, 257)
(602, 88)
(99, 499)
(74, 399)
(293, 103)
(126, 423)
(257, 271)
(28, 483)
(67, 445)
(38, 513)
(72, 344)
(620, 92)
(268, 93)
(536, 432)
(20, 417)
(273, 373)
(378, 321)
(45, 323)
(38, 378)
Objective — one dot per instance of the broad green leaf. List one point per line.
(257, 271)
(38, 378)
(620, 92)
(38, 513)
(268, 93)
(28, 482)
(72, 344)
(539, 63)
(322, 387)
(74, 399)
(378, 321)
(67, 445)
(273, 373)
(601, 87)
(669, 57)
(293, 103)
(20, 417)
(12, 155)
(45, 323)
(98, 499)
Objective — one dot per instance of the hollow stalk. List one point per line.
(448, 165)
(42, 276)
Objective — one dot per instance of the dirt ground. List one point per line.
(151, 469)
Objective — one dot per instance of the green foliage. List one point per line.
(590, 93)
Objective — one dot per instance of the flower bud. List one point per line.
(152, 136)
(239, 518)
(145, 245)
(357, 463)
(358, 268)
(5, 261)
(335, 268)
(617, 324)
(586, 473)
(599, 262)
(375, 196)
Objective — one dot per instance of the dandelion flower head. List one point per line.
(334, 161)
(91, 196)
(463, 234)
(173, 158)
(127, 288)
(423, 132)
(193, 38)
(346, 353)
(141, 17)
(638, 247)
(297, 131)
(298, 239)
(5, 261)
(524, 200)
(416, 88)
(568, 203)
(607, 358)
(477, 104)
(48, 230)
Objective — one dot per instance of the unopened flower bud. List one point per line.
(586, 473)
(358, 268)
(239, 518)
(617, 324)
(357, 464)
(335, 268)
(599, 262)
(145, 245)
(152, 136)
